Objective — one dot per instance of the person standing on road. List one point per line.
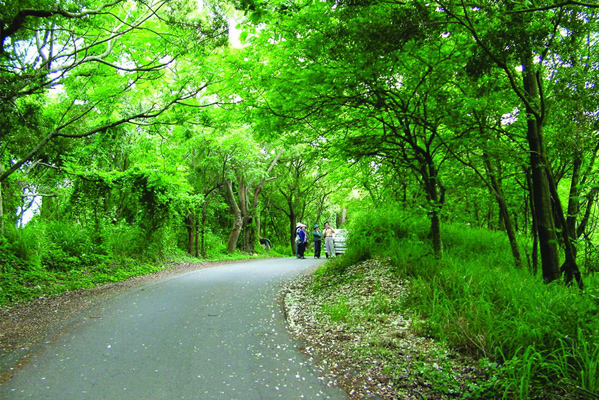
(297, 240)
(303, 241)
(328, 233)
(317, 235)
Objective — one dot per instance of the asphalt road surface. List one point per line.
(216, 333)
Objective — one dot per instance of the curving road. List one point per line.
(216, 333)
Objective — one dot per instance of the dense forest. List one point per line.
(135, 133)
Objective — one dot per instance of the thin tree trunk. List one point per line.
(292, 218)
(546, 227)
(189, 224)
(197, 239)
(504, 213)
(573, 206)
(569, 267)
(249, 236)
(477, 216)
(203, 229)
(436, 234)
(237, 217)
(431, 190)
(257, 221)
(534, 232)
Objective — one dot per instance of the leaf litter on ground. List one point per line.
(361, 337)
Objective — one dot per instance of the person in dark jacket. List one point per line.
(302, 236)
(317, 236)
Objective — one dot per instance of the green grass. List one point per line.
(338, 310)
(25, 283)
(539, 338)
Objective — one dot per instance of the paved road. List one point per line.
(216, 333)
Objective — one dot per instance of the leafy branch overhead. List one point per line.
(96, 68)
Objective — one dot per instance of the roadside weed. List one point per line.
(338, 310)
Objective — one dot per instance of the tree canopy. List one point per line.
(214, 125)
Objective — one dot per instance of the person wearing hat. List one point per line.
(298, 229)
(301, 240)
(317, 236)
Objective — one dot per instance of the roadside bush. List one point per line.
(24, 245)
(72, 239)
(122, 240)
(54, 245)
(48, 258)
(214, 245)
(386, 232)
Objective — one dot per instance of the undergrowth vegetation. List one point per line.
(48, 258)
(538, 339)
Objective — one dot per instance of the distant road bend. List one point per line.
(215, 333)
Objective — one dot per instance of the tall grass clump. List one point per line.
(537, 337)
(386, 232)
(23, 244)
(123, 240)
(66, 246)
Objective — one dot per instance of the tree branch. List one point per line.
(553, 6)
(19, 19)
(151, 112)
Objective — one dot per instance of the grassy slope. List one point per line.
(541, 340)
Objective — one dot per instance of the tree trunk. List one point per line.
(504, 213)
(436, 234)
(249, 234)
(197, 239)
(476, 212)
(534, 247)
(203, 228)
(237, 217)
(189, 224)
(431, 190)
(571, 233)
(292, 218)
(546, 226)
(574, 192)
(569, 267)
(258, 225)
